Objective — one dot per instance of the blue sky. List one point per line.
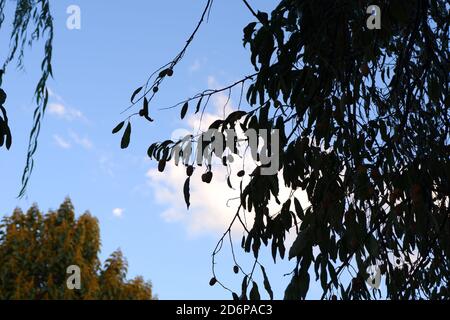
(96, 69)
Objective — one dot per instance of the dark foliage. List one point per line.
(364, 124)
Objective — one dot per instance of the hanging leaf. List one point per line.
(267, 283)
(145, 106)
(254, 292)
(216, 124)
(3, 96)
(118, 127)
(126, 137)
(135, 93)
(8, 141)
(184, 110)
(207, 177)
(229, 182)
(161, 165)
(244, 288)
(304, 284)
(186, 191)
(292, 290)
(298, 209)
(199, 104)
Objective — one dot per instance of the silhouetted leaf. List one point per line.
(3, 96)
(236, 269)
(161, 165)
(207, 177)
(199, 104)
(254, 292)
(267, 283)
(229, 182)
(184, 110)
(126, 137)
(118, 127)
(8, 140)
(135, 93)
(145, 106)
(186, 192)
(298, 209)
(304, 284)
(244, 288)
(216, 124)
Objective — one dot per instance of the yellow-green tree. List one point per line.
(37, 249)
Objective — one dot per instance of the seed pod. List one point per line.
(207, 177)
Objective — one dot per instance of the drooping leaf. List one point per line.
(184, 109)
(267, 283)
(8, 141)
(186, 192)
(199, 104)
(207, 177)
(229, 182)
(162, 165)
(298, 209)
(244, 288)
(126, 137)
(145, 106)
(304, 284)
(118, 127)
(135, 93)
(254, 292)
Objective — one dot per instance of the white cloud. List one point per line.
(54, 95)
(106, 164)
(57, 109)
(195, 66)
(118, 212)
(61, 111)
(84, 142)
(209, 211)
(61, 142)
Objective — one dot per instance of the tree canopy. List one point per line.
(363, 123)
(37, 249)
